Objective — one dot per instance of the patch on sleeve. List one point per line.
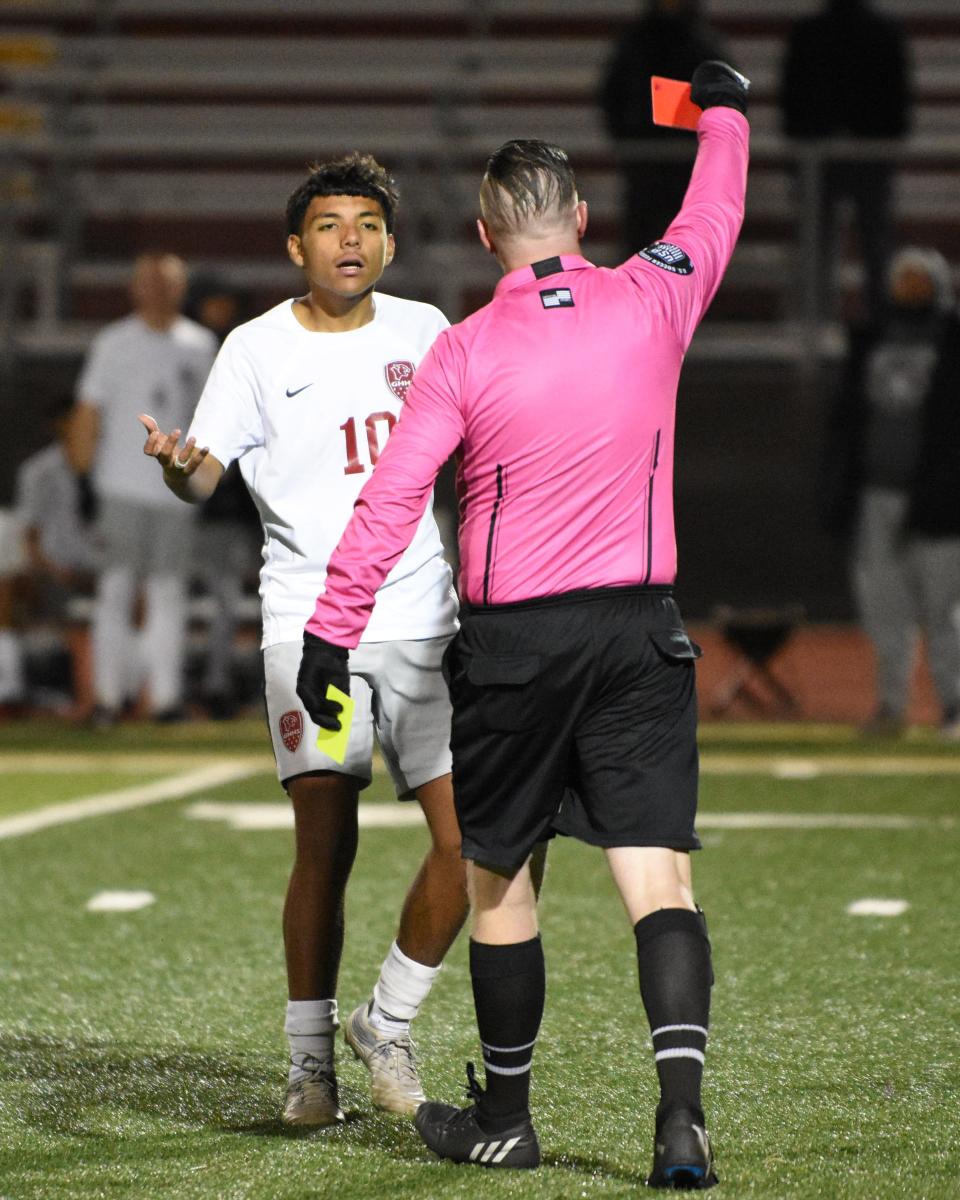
(667, 257)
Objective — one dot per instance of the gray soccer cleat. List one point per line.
(313, 1100)
(394, 1083)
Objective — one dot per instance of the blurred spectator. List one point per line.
(228, 534)
(846, 75)
(11, 652)
(671, 39)
(897, 466)
(60, 547)
(16, 447)
(153, 361)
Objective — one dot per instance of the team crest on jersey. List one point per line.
(399, 377)
(667, 257)
(291, 729)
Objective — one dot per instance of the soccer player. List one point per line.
(572, 668)
(305, 397)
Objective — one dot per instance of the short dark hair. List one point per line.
(524, 180)
(352, 174)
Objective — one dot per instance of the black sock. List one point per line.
(673, 955)
(509, 985)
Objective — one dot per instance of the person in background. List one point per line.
(153, 360)
(672, 38)
(896, 466)
(60, 547)
(12, 675)
(846, 75)
(228, 538)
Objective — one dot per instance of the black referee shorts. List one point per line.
(574, 714)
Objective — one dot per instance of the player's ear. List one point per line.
(483, 229)
(582, 218)
(295, 250)
(391, 250)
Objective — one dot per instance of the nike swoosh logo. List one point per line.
(299, 389)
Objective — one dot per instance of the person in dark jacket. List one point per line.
(671, 39)
(846, 75)
(897, 454)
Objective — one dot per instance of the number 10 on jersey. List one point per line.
(349, 429)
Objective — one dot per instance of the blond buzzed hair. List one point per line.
(527, 182)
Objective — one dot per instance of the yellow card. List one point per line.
(333, 742)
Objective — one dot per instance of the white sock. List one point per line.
(310, 1027)
(401, 989)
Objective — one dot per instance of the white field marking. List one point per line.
(827, 764)
(119, 761)
(790, 768)
(787, 820)
(119, 901)
(272, 815)
(877, 908)
(172, 788)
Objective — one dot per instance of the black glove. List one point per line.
(715, 83)
(322, 664)
(87, 502)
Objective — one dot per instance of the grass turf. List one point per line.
(141, 1053)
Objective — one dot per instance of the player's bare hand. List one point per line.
(165, 448)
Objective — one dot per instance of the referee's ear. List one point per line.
(483, 229)
(582, 218)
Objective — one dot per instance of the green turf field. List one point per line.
(141, 1053)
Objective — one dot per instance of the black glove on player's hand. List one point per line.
(715, 83)
(322, 664)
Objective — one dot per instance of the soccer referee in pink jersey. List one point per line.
(572, 678)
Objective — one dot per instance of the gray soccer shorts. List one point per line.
(399, 693)
(147, 539)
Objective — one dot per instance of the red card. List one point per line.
(672, 104)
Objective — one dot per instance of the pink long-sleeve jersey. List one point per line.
(559, 398)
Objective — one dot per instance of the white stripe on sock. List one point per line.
(679, 1029)
(508, 1070)
(680, 1052)
(509, 1049)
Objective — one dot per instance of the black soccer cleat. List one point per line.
(682, 1158)
(453, 1133)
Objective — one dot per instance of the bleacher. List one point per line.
(184, 123)
(133, 124)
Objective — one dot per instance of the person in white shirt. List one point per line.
(305, 397)
(154, 359)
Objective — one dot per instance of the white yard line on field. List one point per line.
(121, 761)
(783, 767)
(272, 815)
(173, 788)
(267, 814)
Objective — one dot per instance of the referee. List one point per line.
(572, 677)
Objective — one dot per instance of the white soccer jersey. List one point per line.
(307, 415)
(131, 369)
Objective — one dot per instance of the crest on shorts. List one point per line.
(399, 377)
(291, 728)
